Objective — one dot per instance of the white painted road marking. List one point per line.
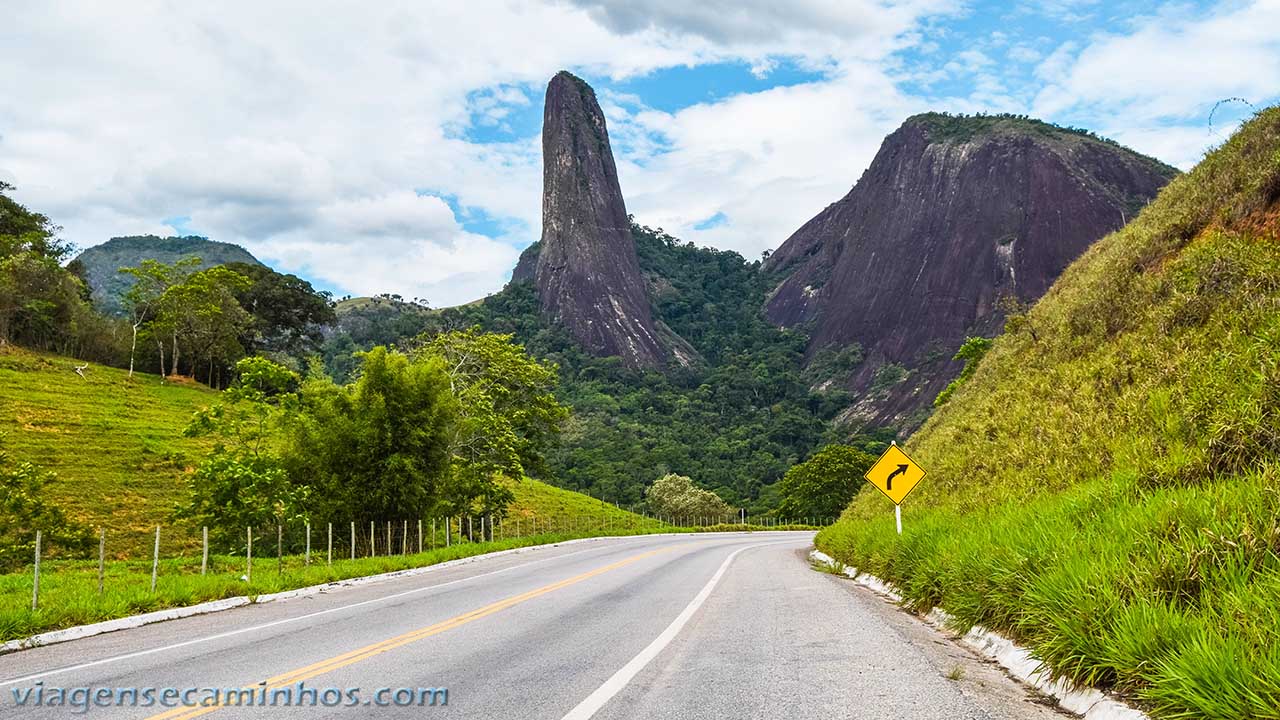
(614, 685)
(285, 621)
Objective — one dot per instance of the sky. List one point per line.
(394, 147)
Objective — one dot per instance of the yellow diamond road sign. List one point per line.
(895, 474)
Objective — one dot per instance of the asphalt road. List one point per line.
(708, 626)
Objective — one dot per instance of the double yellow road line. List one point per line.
(350, 658)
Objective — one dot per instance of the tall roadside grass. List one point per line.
(1165, 595)
(1105, 487)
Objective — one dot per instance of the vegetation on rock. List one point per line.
(1103, 488)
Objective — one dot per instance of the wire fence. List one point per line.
(182, 550)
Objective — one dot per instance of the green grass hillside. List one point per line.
(1106, 487)
(117, 447)
(116, 443)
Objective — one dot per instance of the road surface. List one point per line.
(705, 626)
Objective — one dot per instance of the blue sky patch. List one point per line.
(676, 88)
(714, 221)
(181, 225)
(474, 219)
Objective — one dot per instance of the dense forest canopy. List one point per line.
(733, 423)
(734, 420)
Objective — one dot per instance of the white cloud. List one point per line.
(768, 161)
(765, 22)
(303, 134)
(1023, 53)
(307, 134)
(1155, 85)
(401, 242)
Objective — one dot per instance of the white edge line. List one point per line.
(1087, 702)
(134, 621)
(228, 603)
(611, 687)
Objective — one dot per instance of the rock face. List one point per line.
(587, 275)
(954, 214)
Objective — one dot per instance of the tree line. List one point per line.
(437, 430)
(343, 426)
(207, 319)
(178, 318)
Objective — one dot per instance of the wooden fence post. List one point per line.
(35, 580)
(155, 560)
(307, 555)
(329, 556)
(204, 549)
(248, 555)
(102, 556)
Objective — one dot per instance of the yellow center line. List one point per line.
(349, 658)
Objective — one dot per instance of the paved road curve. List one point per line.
(708, 626)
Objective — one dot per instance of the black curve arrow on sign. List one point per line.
(888, 482)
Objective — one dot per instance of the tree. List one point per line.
(676, 496)
(288, 314)
(378, 449)
(38, 297)
(971, 352)
(202, 312)
(507, 414)
(1017, 316)
(142, 302)
(243, 482)
(25, 508)
(823, 485)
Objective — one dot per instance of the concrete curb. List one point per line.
(1087, 702)
(134, 621)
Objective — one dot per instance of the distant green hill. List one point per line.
(1106, 486)
(363, 322)
(101, 263)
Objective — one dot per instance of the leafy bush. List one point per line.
(243, 482)
(379, 448)
(971, 352)
(25, 508)
(822, 486)
(674, 496)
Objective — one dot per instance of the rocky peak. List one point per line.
(587, 275)
(953, 214)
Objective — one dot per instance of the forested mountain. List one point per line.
(362, 322)
(731, 372)
(734, 421)
(100, 265)
(955, 217)
(692, 360)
